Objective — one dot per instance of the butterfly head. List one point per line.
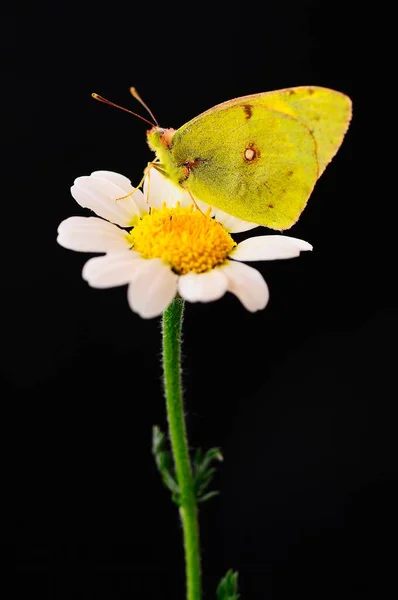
(160, 138)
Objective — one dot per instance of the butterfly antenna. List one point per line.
(105, 101)
(136, 95)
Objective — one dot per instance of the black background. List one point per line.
(300, 396)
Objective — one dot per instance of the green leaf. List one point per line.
(203, 473)
(197, 459)
(164, 462)
(228, 587)
(208, 496)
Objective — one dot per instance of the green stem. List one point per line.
(172, 323)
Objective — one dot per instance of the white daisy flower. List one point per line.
(161, 245)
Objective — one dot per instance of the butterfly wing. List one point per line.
(327, 114)
(258, 164)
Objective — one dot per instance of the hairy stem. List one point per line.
(172, 324)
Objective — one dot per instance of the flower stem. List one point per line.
(172, 323)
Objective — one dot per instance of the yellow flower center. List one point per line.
(184, 238)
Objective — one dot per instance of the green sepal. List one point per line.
(228, 587)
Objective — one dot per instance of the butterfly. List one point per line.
(256, 157)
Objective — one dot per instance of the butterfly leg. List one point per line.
(132, 191)
(193, 200)
(148, 168)
(146, 171)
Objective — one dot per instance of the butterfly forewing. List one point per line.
(327, 114)
(255, 163)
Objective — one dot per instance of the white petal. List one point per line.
(247, 284)
(159, 189)
(233, 224)
(111, 270)
(203, 287)
(90, 234)
(125, 184)
(230, 223)
(120, 180)
(101, 196)
(153, 288)
(269, 247)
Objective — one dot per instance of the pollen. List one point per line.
(184, 238)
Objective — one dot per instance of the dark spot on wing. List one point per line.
(251, 153)
(291, 92)
(248, 110)
(311, 91)
(289, 173)
(271, 206)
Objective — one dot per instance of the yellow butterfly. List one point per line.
(256, 157)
